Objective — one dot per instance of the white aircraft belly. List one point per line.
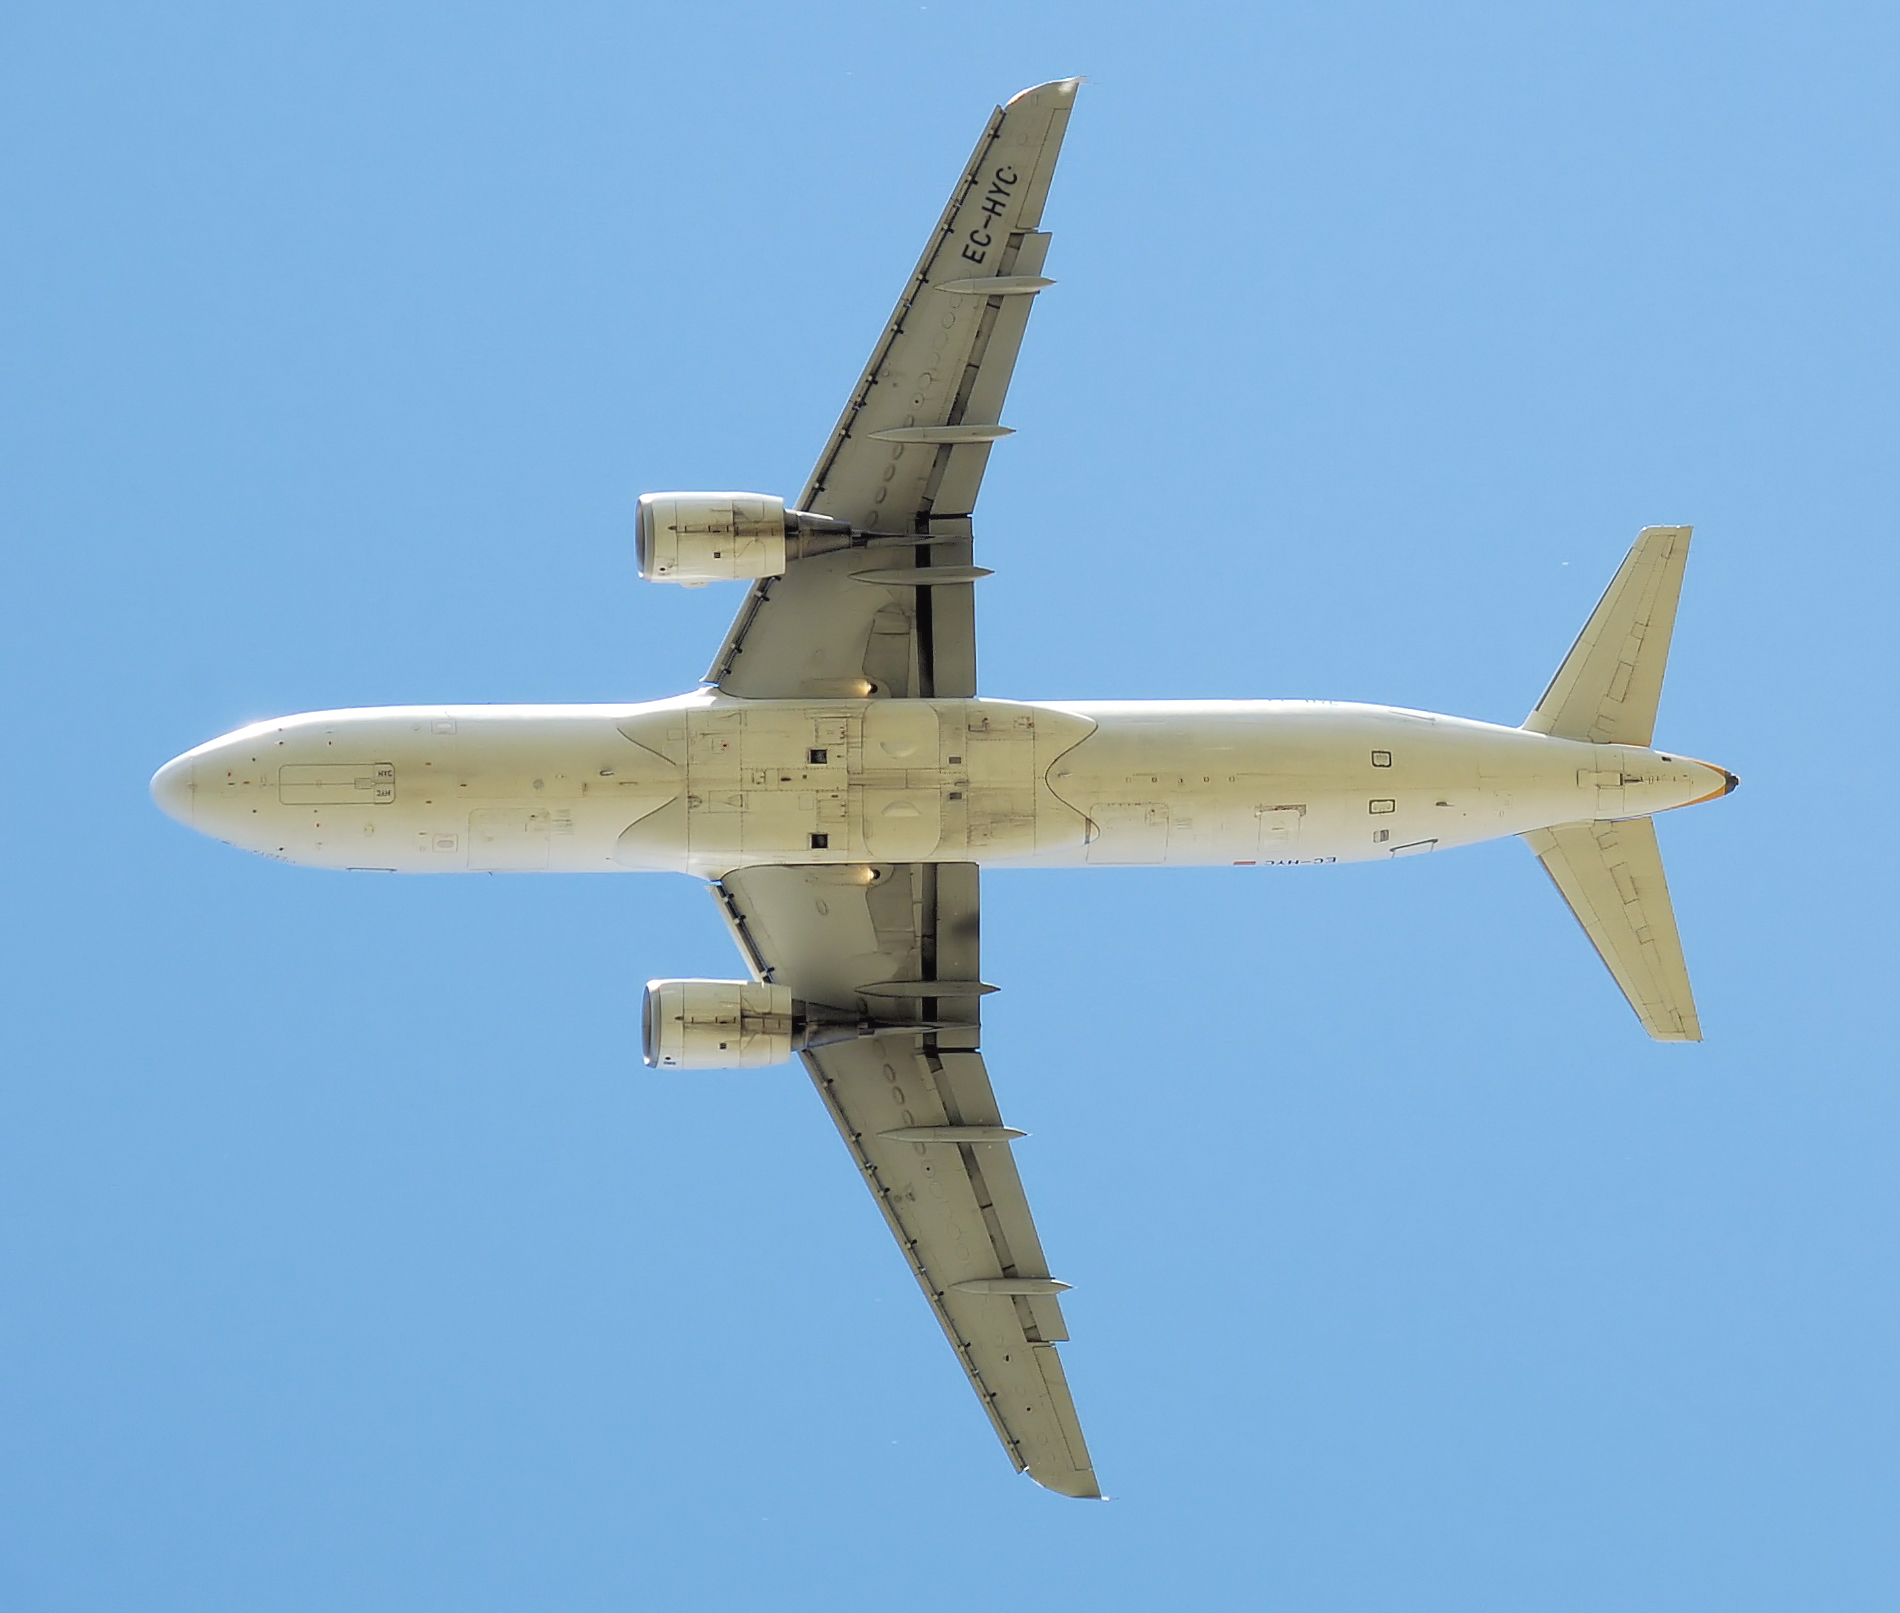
(1288, 782)
(705, 783)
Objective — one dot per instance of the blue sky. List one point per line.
(352, 1259)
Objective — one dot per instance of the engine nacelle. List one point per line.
(717, 1024)
(697, 538)
(710, 537)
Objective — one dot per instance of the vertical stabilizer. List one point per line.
(1607, 689)
(1611, 874)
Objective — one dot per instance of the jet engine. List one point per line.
(697, 538)
(744, 1024)
(717, 1024)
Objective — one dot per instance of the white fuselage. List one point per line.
(705, 783)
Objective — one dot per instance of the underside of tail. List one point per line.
(1611, 874)
(1610, 871)
(1607, 689)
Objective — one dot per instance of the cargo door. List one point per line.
(1279, 832)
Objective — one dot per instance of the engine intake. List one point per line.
(697, 538)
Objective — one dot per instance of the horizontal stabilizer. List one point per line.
(1608, 687)
(1611, 874)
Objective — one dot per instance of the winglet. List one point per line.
(1611, 874)
(1608, 687)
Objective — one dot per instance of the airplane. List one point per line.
(841, 785)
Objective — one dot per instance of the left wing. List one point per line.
(916, 1110)
(907, 456)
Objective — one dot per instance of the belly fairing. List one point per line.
(861, 781)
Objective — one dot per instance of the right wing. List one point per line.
(908, 454)
(918, 1114)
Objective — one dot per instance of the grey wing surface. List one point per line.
(916, 1110)
(907, 456)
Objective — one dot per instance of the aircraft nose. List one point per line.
(172, 789)
(1733, 782)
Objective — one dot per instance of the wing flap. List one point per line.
(954, 480)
